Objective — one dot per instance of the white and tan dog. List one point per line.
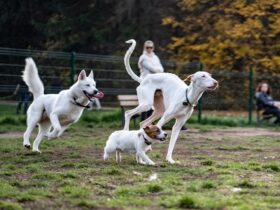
(177, 100)
(136, 141)
(58, 111)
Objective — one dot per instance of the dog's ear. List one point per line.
(82, 75)
(91, 75)
(189, 78)
(146, 128)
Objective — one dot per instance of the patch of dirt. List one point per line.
(229, 132)
(11, 135)
(232, 132)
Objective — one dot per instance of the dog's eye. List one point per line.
(88, 85)
(203, 76)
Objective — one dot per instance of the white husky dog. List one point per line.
(58, 111)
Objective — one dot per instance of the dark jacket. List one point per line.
(264, 101)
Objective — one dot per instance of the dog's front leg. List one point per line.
(139, 160)
(142, 156)
(56, 126)
(180, 121)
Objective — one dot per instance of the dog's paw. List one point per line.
(36, 150)
(171, 161)
(51, 136)
(28, 146)
(151, 164)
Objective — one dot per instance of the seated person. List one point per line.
(265, 101)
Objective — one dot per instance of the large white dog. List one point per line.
(177, 100)
(58, 111)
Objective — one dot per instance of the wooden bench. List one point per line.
(260, 113)
(262, 117)
(128, 102)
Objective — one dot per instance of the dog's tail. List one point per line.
(126, 60)
(31, 77)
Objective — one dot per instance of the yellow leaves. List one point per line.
(276, 24)
(176, 42)
(228, 34)
(170, 21)
(276, 60)
(247, 29)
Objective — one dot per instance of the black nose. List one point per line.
(165, 134)
(95, 92)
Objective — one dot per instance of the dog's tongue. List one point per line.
(99, 94)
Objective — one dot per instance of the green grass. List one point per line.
(70, 172)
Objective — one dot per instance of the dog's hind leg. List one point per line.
(158, 110)
(43, 130)
(166, 117)
(180, 121)
(63, 128)
(118, 156)
(146, 100)
(56, 126)
(138, 109)
(31, 123)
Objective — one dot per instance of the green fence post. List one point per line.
(72, 65)
(251, 94)
(199, 105)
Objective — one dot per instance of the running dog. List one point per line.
(137, 141)
(58, 111)
(177, 100)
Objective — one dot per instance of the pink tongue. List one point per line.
(99, 95)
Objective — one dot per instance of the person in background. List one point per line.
(266, 102)
(149, 63)
(23, 96)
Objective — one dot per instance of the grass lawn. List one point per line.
(220, 168)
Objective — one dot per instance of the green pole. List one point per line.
(251, 94)
(72, 65)
(199, 105)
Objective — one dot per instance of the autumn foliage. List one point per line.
(227, 35)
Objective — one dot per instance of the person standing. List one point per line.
(23, 96)
(149, 63)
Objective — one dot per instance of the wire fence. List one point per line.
(58, 69)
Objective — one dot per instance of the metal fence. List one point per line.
(58, 69)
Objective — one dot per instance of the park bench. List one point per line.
(261, 116)
(128, 102)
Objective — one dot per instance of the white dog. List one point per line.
(177, 100)
(58, 111)
(138, 141)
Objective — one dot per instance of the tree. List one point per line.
(227, 34)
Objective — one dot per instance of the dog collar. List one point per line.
(146, 140)
(79, 104)
(187, 102)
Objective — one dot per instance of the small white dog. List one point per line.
(137, 141)
(170, 97)
(58, 111)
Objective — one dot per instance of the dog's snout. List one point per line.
(95, 91)
(165, 134)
